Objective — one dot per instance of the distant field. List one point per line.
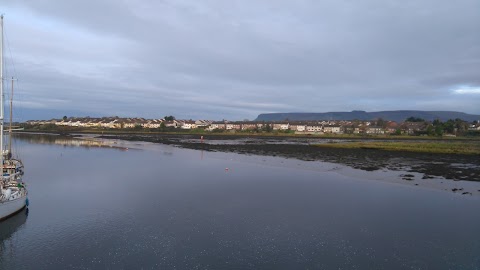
(465, 147)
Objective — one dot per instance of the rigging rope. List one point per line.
(8, 82)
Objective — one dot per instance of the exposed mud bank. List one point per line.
(455, 167)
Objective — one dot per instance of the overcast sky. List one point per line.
(219, 59)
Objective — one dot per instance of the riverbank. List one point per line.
(429, 165)
(436, 147)
(235, 135)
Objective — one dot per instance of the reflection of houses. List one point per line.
(71, 142)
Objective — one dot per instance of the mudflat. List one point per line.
(449, 165)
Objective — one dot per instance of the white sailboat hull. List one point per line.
(8, 208)
(13, 194)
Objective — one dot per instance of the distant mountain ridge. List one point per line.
(397, 116)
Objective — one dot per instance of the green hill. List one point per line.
(397, 116)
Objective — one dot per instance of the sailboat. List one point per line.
(13, 193)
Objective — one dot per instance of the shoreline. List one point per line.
(398, 170)
(433, 147)
(457, 173)
(431, 165)
(231, 135)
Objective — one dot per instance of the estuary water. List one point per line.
(153, 206)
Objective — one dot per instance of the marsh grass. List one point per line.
(467, 147)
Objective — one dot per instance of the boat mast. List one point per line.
(1, 95)
(10, 128)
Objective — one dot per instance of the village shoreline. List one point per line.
(234, 135)
(389, 143)
(430, 165)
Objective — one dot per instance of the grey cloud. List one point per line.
(241, 58)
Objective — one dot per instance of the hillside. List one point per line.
(362, 115)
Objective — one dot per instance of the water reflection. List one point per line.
(70, 141)
(11, 225)
(164, 209)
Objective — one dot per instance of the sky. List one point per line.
(217, 59)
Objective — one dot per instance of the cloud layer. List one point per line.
(235, 59)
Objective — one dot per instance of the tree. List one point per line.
(414, 119)
(162, 126)
(430, 130)
(169, 118)
(461, 126)
(65, 118)
(449, 126)
(381, 122)
(438, 131)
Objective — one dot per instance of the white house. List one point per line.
(314, 128)
(189, 124)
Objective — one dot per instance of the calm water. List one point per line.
(160, 207)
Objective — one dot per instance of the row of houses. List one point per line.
(332, 127)
(118, 123)
(314, 127)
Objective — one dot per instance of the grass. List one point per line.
(468, 148)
